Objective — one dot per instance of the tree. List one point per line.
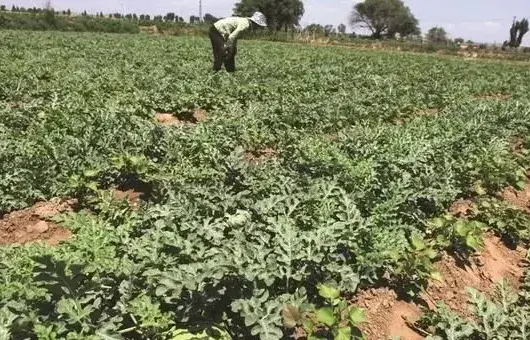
(315, 29)
(68, 12)
(459, 41)
(437, 35)
(280, 14)
(170, 17)
(147, 17)
(341, 28)
(13, 8)
(194, 19)
(158, 18)
(208, 18)
(328, 29)
(2, 7)
(384, 18)
(517, 32)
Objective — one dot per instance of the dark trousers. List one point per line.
(220, 56)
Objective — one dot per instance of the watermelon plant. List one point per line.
(227, 234)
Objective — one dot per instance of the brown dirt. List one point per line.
(167, 119)
(130, 195)
(199, 115)
(517, 145)
(170, 119)
(386, 315)
(33, 224)
(417, 113)
(492, 264)
(389, 316)
(399, 121)
(519, 198)
(461, 208)
(427, 112)
(493, 96)
(332, 137)
(259, 155)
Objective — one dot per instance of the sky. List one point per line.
(478, 20)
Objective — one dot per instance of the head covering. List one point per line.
(259, 19)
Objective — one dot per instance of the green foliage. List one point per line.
(280, 14)
(414, 266)
(384, 18)
(505, 219)
(49, 20)
(437, 35)
(457, 234)
(517, 31)
(334, 319)
(226, 240)
(504, 316)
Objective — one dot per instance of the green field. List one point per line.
(308, 166)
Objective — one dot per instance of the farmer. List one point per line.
(224, 34)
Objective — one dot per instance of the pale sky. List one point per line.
(478, 20)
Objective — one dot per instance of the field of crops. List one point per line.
(313, 193)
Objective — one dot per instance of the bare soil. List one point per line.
(493, 96)
(493, 263)
(33, 224)
(130, 195)
(171, 119)
(427, 112)
(517, 145)
(519, 198)
(259, 155)
(167, 119)
(461, 208)
(387, 315)
(421, 113)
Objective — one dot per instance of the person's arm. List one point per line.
(241, 27)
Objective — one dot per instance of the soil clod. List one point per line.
(33, 224)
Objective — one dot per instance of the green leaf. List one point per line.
(308, 326)
(356, 316)
(462, 228)
(343, 333)
(437, 276)
(328, 292)
(485, 204)
(520, 185)
(92, 186)
(417, 242)
(90, 173)
(479, 189)
(314, 337)
(437, 222)
(473, 242)
(342, 304)
(325, 316)
(431, 253)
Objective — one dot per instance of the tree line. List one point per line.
(382, 19)
(169, 17)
